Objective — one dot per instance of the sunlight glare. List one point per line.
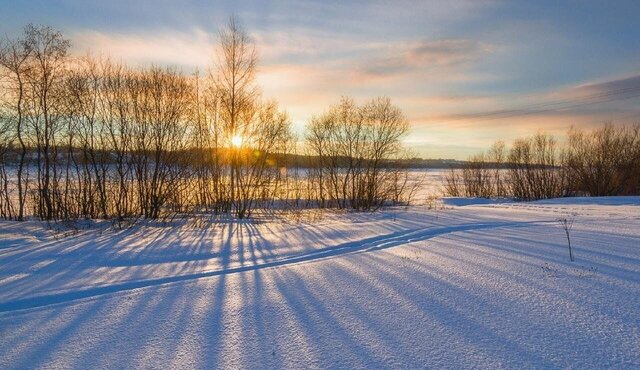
(236, 140)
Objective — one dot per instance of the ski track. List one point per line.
(358, 246)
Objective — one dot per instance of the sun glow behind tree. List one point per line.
(236, 141)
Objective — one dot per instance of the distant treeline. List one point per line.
(91, 138)
(301, 161)
(601, 162)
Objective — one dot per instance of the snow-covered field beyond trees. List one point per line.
(467, 285)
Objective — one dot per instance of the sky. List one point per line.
(465, 72)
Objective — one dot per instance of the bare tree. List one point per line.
(497, 156)
(237, 92)
(6, 139)
(14, 63)
(386, 125)
(605, 161)
(353, 146)
(48, 64)
(257, 169)
(477, 177)
(534, 167)
(116, 114)
(453, 186)
(160, 101)
(481, 176)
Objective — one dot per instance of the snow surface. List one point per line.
(480, 285)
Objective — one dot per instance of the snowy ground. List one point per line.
(471, 285)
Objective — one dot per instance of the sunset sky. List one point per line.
(466, 73)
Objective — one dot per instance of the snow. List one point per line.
(462, 201)
(468, 284)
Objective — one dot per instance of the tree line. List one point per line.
(87, 137)
(604, 161)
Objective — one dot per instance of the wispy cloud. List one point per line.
(425, 55)
(185, 49)
(612, 89)
(569, 101)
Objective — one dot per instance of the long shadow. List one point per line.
(365, 245)
(311, 313)
(78, 258)
(255, 328)
(215, 317)
(454, 307)
(374, 338)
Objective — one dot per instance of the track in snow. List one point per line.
(365, 245)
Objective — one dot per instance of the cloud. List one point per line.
(601, 101)
(347, 65)
(613, 89)
(184, 49)
(425, 55)
(305, 45)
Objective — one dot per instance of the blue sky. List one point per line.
(466, 73)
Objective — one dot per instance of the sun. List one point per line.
(236, 141)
